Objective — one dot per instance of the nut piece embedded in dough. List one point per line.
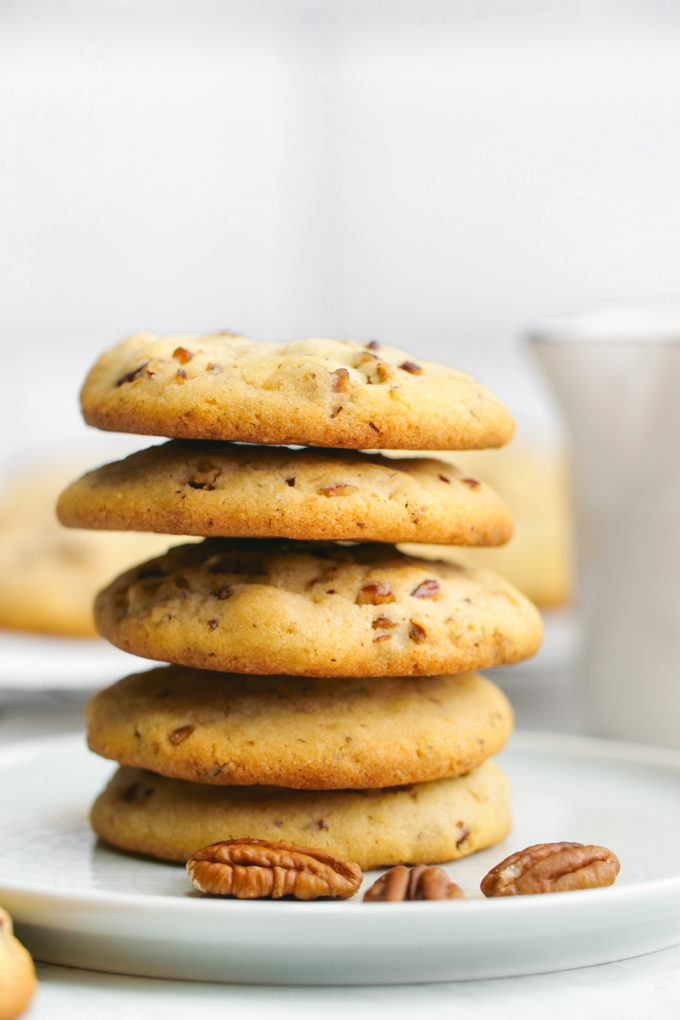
(420, 883)
(254, 869)
(552, 867)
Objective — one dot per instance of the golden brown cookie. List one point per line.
(315, 609)
(312, 392)
(210, 488)
(49, 576)
(421, 823)
(17, 973)
(304, 733)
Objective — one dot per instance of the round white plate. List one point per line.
(36, 662)
(81, 904)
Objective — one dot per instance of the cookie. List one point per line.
(17, 973)
(209, 488)
(309, 392)
(420, 823)
(315, 609)
(49, 576)
(313, 734)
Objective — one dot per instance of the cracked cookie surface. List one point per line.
(316, 609)
(188, 487)
(299, 732)
(419, 823)
(313, 392)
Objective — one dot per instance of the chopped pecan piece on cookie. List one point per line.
(341, 489)
(420, 883)
(254, 869)
(375, 593)
(428, 589)
(552, 867)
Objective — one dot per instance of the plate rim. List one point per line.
(532, 741)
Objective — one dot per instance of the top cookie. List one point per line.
(309, 392)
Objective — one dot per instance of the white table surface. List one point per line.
(644, 987)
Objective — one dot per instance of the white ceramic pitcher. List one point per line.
(616, 375)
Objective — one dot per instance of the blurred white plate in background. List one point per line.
(35, 662)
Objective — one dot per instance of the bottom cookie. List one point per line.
(429, 822)
(17, 973)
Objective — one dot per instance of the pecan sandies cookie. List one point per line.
(189, 487)
(419, 823)
(307, 733)
(316, 609)
(313, 392)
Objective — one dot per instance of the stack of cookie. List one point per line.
(321, 690)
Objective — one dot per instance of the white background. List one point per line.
(435, 174)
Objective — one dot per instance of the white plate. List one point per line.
(559, 648)
(36, 662)
(81, 904)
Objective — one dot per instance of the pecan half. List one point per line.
(552, 867)
(254, 868)
(420, 883)
(375, 593)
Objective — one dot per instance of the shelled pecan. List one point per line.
(552, 867)
(255, 869)
(419, 883)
